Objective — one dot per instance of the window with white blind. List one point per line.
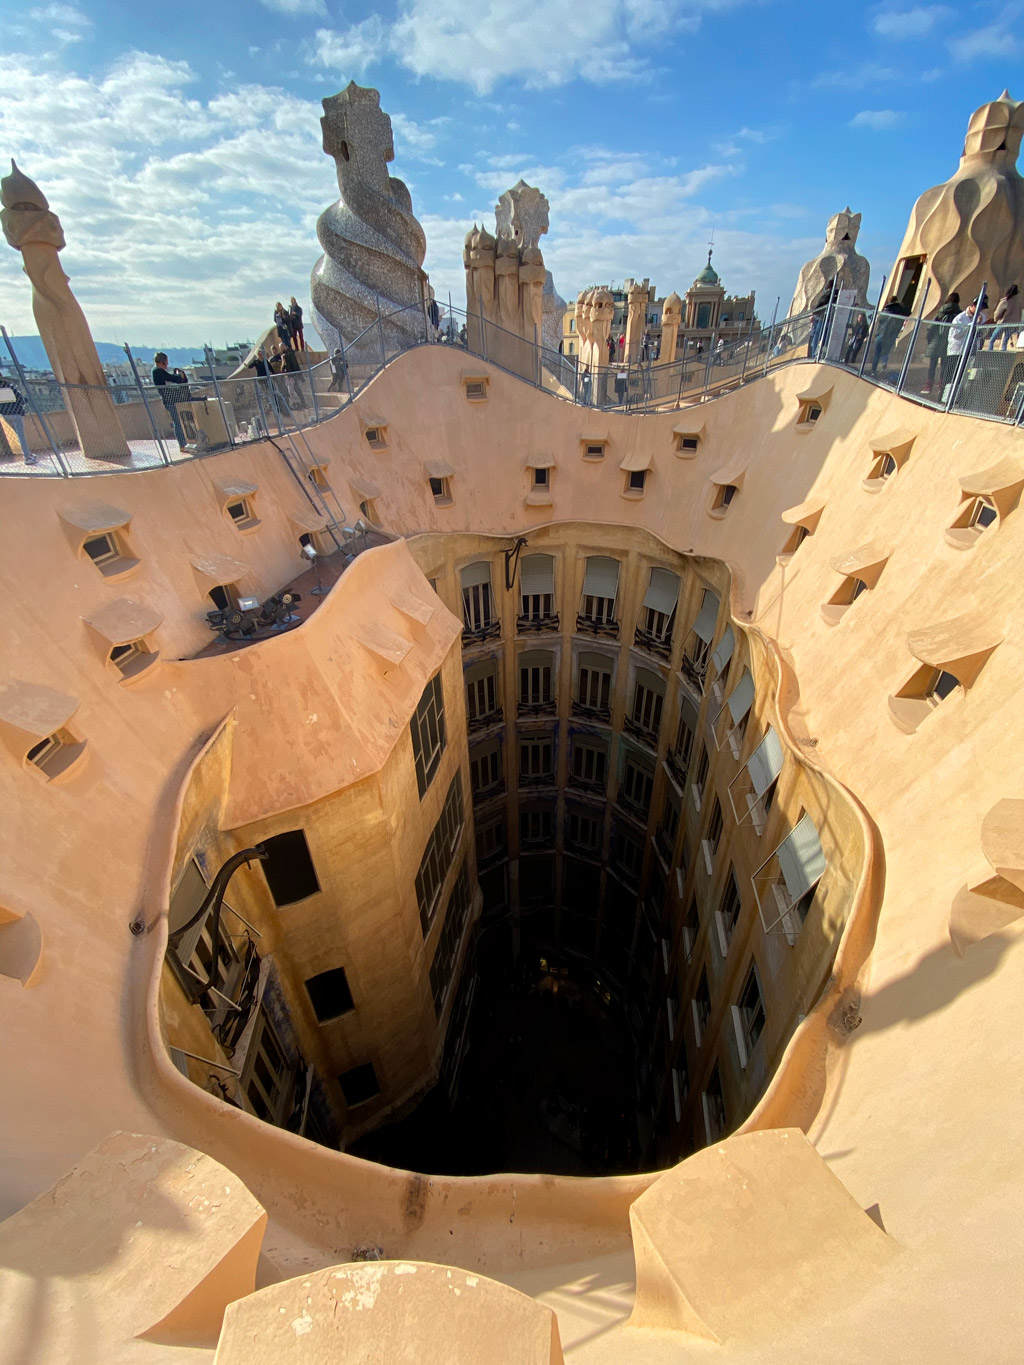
(753, 789)
(657, 614)
(720, 658)
(731, 721)
(478, 617)
(697, 647)
(785, 884)
(537, 591)
(600, 588)
(482, 694)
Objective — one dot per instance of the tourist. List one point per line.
(1007, 317)
(956, 343)
(585, 383)
(295, 324)
(173, 386)
(935, 338)
(434, 317)
(284, 327)
(820, 307)
(611, 350)
(856, 337)
(463, 336)
(290, 366)
(887, 330)
(12, 410)
(339, 372)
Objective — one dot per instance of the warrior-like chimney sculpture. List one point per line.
(32, 229)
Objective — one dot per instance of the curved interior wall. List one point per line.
(114, 815)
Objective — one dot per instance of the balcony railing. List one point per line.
(580, 709)
(591, 625)
(536, 779)
(663, 844)
(694, 671)
(661, 646)
(483, 722)
(535, 842)
(228, 1024)
(525, 624)
(490, 630)
(641, 732)
(536, 708)
(632, 808)
(590, 786)
(493, 789)
(677, 768)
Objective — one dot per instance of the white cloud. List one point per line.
(296, 7)
(352, 50)
(996, 40)
(494, 40)
(868, 73)
(876, 119)
(184, 219)
(66, 23)
(909, 23)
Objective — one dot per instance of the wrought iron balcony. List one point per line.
(490, 630)
(525, 624)
(641, 732)
(676, 768)
(589, 786)
(537, 708)
(536, 779)
(601, 713)
(653, 644)
(485, 721)
(488, 793)
(537, 842)
(632, 808)
(663, 844)
(591, 625)
(694, 671)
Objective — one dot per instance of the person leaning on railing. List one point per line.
(936, 336)
(1007, 318)
(173, 386)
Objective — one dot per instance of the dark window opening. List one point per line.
(359, 1084)
(329, 994)
(288, 868)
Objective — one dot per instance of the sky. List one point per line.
(180, 143)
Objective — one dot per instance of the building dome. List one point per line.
(708, 277)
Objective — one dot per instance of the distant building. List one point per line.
(708, 314)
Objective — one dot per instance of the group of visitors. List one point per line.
(289, 326)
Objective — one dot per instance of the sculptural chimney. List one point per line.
(31, 228)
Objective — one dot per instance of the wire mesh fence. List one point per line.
(50, 428)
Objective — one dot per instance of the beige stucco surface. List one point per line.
(905, 1078)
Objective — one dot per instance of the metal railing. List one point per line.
(65, 430)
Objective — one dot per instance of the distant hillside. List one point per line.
(29, 350)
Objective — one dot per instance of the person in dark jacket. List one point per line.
(820, 307)
(284, 326)
(12, 410)
(855, 338)
(295, 325)
(173, 386)
(935, 338)
(886, 331)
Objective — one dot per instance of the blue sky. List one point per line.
(180, 143)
